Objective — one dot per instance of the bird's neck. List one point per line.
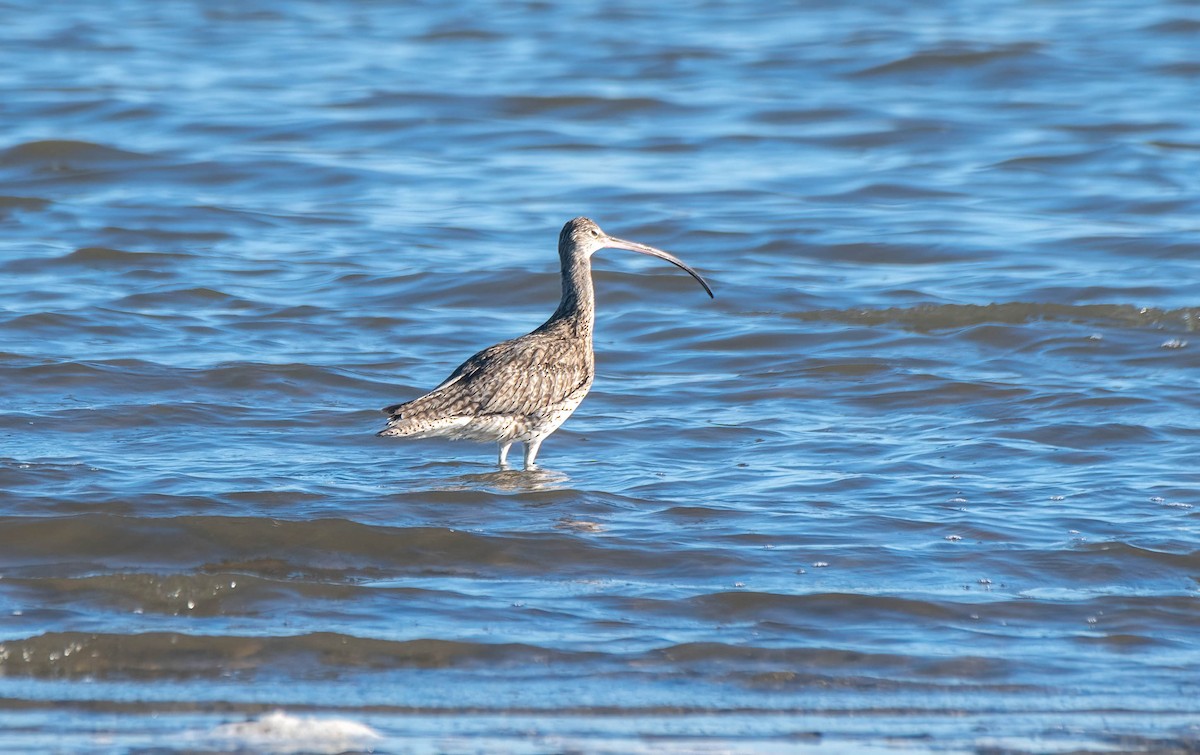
(577, 310)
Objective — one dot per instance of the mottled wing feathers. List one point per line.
(522, 377)
(469, 367)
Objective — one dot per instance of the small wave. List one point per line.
(1092, 436)
(944, 61)
(458, 33)
(748, 605)
(98, 257)
(47, 322)
(942, 316)
(1167, 144)
(101, 256)
(242, 544)
(1185, 561)
(887, 192)
(212, 593)
(173, 655)
(124, 371)
(28, 204)
(62, 155)
(183, 298)
(802, 115)
(295, 379)
(888, 254)
(892, 664)
(1186, 26)
(591, 106)
(1042, 163)
(172, 594)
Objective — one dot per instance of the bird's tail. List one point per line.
(403, 422)
(409, 424)
(396, 426)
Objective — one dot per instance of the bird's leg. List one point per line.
(504, 446)
(531, 452)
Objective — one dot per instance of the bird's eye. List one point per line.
(593, 232)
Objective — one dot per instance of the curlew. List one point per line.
(523, 389)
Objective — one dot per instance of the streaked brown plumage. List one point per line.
(523, 389)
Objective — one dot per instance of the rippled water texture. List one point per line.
(923, 476)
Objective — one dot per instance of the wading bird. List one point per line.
(523, 389)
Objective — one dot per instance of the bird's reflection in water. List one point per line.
(510, 481)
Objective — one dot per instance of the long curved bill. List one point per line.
(615, 243)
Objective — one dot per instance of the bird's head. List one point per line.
(581, 237)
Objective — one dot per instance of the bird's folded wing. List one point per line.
(514, 377)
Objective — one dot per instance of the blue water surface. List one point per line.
(921, 477)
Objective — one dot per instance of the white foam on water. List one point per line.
(279, 732)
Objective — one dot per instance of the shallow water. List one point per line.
(922, 477)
